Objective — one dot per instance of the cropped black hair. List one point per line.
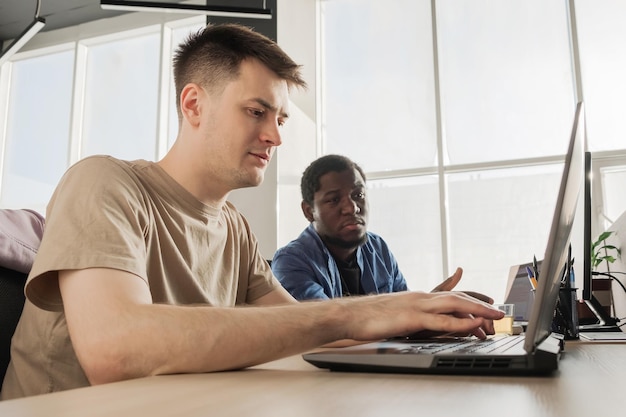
(310, 182)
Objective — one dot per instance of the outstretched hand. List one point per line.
(451, 282)
(404, 313)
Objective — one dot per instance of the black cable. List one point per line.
(610, 275)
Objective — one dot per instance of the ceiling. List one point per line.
(16, 15)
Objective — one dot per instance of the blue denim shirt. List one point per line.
(306, 268)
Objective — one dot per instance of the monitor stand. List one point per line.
(605, 323)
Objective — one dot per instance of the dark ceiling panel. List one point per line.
(16, 15)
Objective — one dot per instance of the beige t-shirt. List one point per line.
(134, 217)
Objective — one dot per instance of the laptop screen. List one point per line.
(519, 291)
(555, 258)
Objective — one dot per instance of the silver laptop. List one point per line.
(537, 351)
(519, 292)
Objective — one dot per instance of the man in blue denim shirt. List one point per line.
(335, 255)
(308, 270)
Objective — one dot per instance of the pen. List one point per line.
(535, 268)
(572, 276)
(531, 278)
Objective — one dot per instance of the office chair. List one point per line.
(20, 235)
(11, 305)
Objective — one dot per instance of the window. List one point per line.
(405, 212)
(613, 180)
(107, 97)
(495, 218)
(377, 81)
(601, 32)
(121, 95)
(36, 149)
(496, 60)
(460, 112)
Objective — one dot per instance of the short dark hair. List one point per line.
(310, 182)
(212, 56)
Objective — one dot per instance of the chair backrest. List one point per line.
(11, 305)
(20, 235)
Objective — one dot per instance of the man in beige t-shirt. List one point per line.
(142, 265)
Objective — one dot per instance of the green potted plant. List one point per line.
(600, 251)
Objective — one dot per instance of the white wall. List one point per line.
(618, 239)
(297, 35)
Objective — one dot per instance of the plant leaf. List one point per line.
(604, 235)
(610, 259)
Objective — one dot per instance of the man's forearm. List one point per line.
(163, 339)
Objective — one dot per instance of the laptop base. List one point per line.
(396, 357)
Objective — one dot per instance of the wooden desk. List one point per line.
(591, 381)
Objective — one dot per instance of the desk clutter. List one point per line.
(573, 317)
(566, 313)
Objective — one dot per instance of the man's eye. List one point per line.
(256, 112)
(360, 196)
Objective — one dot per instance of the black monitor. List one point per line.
(587, 292)
(602, 320)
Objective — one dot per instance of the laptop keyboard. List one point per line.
(467, 346)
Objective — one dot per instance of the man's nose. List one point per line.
(271, 133)
(350, 206)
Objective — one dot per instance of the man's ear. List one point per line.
(307, 210)
(190, 103)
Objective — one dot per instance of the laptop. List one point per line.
(519, 292)
(535, 352)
